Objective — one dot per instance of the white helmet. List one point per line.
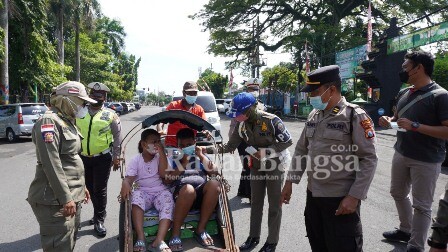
(253, 81)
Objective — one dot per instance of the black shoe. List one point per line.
(413, 249)
(268, 247)
(100, 229)
(250, 243)
(92, 221)
(397, 235)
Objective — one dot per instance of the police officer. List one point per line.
(101, 129)
(58, 187)
(252, 87)
(337, 150)
(267, 139)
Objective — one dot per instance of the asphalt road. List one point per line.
(20, 232)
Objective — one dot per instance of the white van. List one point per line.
(18, 119)
(207, 101)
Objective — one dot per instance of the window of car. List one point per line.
(33, 109)
(219, 101)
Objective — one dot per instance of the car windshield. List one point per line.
(218, 101)
(33, 109)
(206, 102)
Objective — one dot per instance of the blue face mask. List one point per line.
(190, 150)
(317, 103)
(190, 99)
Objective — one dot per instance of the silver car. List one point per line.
(18, 119)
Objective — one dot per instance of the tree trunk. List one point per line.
(4, 75)
(60, 33)
(77, 53)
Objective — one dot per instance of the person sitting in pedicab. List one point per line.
(146, 171)
(191, 189)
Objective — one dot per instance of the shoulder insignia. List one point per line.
(335, 110)
(366, 124)
(47, 131)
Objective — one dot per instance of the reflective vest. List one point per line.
(96, 131)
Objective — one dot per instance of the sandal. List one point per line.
(202, 239)
(140, 245)
(161, 247)
(176, 244)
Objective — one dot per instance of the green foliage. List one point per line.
(282, 77)
(215, 81)
(440, 74)
(327, 25)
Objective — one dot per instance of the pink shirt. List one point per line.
(148, 178)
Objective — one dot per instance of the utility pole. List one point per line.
(255, 56)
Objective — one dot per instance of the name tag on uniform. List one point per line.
(336, 126)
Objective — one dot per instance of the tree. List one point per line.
(215, 81)
(440, 74)
(114, 34)
(283, 76)
(327, 25)
(85, 12)
(4, 53)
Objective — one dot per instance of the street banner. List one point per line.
(349, 60)
(418, 38)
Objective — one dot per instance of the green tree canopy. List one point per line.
(282, 77)
(215, 81)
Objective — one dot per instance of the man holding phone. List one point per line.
(422, 110)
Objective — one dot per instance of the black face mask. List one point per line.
(404, 76)
(99, 103)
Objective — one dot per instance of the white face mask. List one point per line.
(256, 94)
(151, 149)
(82, 111)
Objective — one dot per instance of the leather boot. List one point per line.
(250, 243)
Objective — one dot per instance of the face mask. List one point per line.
(256, 94)
(151, 149)
(99, 103)
(317, 103)
(190, 99)
(189, 151)
(82, 111)
(404, 76)
(241, 118)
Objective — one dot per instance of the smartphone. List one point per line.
(394, 125)
(251, 150)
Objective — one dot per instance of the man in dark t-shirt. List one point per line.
(422, 115)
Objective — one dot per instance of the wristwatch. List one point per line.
(415, 126)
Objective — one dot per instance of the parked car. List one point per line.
(18, 119)
(131, 106)
(207, 101)
(220, 105)
(125, 107)
(117, 107)
(137, 105)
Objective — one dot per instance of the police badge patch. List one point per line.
(47, 131)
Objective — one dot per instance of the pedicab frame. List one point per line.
(224, 215)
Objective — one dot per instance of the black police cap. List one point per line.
(322, 76)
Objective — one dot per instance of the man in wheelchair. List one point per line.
(191, 189)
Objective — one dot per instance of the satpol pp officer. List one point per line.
(268, 140)
(337, 149)
(58, 187)
(101, 129)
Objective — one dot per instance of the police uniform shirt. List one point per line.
(59, 170)
(337, 152)
(267, 131)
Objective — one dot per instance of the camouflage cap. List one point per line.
(73, 88)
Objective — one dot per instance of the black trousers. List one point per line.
(328, 232)
(97, 171)
(244, 187)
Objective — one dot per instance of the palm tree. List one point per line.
(85, 12)
(4, 75)
(114, 34)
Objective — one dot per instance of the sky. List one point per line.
(171, 45)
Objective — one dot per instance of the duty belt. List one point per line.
(97, 155)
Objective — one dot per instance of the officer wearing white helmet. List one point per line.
(101, 129)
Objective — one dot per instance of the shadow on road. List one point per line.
(398, 246)
(237, 203)
(31, 243)
(20, 140)
(106, 244)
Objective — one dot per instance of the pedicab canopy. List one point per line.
(187, 118)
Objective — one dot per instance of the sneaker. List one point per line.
(397, 235)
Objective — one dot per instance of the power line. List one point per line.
(425, 16)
